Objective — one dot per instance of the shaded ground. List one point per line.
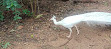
(43, 34)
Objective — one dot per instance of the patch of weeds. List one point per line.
(12, 6)
(17, 15)
(106, 3)
(27, 12)
(66, 47)
(5, 45)
(1, 16)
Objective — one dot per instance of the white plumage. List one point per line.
(69, 22)
(97, 16)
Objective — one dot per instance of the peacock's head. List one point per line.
(53, 18)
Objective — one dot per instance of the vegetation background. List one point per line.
(25, 24)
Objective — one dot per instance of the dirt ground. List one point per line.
(43, 34)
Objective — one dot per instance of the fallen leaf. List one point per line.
(32, 36)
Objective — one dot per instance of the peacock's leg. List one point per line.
(70, 32)
(77, 30)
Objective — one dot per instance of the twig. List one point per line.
(38, 6)
(31, 3)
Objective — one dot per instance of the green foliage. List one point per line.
(27, 12)
(4, 44)
(1, 16)
(12, 5)
(17, 12)
(17, 15)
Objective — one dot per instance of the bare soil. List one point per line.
(43, 34)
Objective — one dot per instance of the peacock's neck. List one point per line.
(55, 22)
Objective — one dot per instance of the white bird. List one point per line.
(69, 22)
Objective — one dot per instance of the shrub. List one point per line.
(12, 5)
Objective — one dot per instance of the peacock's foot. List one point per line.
(68, 36)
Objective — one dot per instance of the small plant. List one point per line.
(5, 44)
(9, 5)
(17, 15)
(27, 12)
(1, 16)
(12, 5)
